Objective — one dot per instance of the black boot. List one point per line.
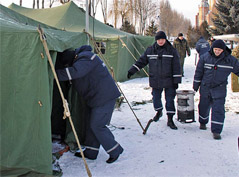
(157, 116)
(203, 126)
(216, 136)
(171, 123)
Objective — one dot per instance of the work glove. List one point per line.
(195, 88)
(175, 86)
(131, 71)
(129, 74)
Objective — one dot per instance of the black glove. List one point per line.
(132, 71)
(195, 88)
(129, 74)
(175, 86)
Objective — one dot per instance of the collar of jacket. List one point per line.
(179, 40)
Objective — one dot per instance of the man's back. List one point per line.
(202, 46)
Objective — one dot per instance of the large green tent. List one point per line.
(122, 49)
(27, 80)
(26, 92)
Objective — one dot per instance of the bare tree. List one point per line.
(51, 3)
(114, 12)
(124, 10)
(145, 9)
(104, 9)
(93, 5)
(42, 4)
(171, 21)
(33, 4)
(38, 4)
(131, 14)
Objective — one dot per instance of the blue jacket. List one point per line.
(212, 73)
(164, 65)
(90, 77)
(202, 46)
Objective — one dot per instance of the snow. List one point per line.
(186, 152)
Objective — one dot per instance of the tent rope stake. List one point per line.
(108, 65)
(65, 104)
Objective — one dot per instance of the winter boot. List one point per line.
(157, 116)
(203, 127)
(171, 123)
(217, 136)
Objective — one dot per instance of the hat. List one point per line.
(160, 35)
(219, 44)
(180, 34)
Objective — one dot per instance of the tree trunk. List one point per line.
(51, 3)
(20, 3)
(37, 4)
(33, 4)
(42, 3)
(104, 9)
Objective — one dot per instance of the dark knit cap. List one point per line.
(160, 35)
(180, 34)
(219, 44)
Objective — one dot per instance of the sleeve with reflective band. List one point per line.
(79, 69)
(198, 74)
(141, 62)
(177, 77)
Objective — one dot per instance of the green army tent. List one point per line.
(121, 48)
(27, 83)
(26, 92)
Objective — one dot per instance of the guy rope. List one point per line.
(65, 104)
(108, 65)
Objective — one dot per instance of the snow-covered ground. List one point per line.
(186, 152)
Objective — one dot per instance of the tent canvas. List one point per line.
(72, 18)
(26, 92)
(27, 84)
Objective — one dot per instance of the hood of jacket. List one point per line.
(83, 48)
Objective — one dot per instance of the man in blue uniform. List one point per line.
(202, 46)
(164, 74)
(94, 83)
(211, 76)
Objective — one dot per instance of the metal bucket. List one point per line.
(185, 107)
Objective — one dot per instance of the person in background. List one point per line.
(211, 76)
(93, 82)
(202, 46)
(181, 44)
(211, 40)
(164, 74)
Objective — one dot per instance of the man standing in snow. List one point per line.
(164, 74)
(94, 83)
(182, 47)
(202, 46)
(211, 76)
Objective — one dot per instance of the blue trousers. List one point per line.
(216, 106)
(170, 94)
(98, 133)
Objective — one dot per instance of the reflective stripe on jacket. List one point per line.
(212, 73)
(164, 65)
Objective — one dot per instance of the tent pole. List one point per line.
(65, 104)
(87, 18)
